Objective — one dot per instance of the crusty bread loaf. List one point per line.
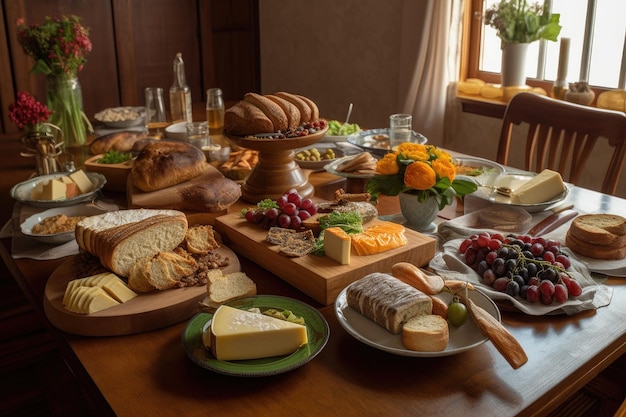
(121, 238)
(315, 113)
(426, 333)
(303, 107)
(163, 164)
(290, 109)
(387, 300)
(118, 141)
(244, 118)
(224, 288)
(270, 108)
(601, 229)
(214, 195)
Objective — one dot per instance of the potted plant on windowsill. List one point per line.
(519, 23)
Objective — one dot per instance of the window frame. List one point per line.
(470, 51)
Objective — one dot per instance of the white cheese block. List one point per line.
(541, 188)
(52, 190)
(239, 334)
(337, 245)
(82, 181)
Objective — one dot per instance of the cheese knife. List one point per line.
(553, 221)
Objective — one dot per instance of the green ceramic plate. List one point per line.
(317, 328)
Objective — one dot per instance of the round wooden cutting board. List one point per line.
(147, 311)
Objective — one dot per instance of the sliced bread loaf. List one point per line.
(596, 251)
(425, 333)
(600, 229)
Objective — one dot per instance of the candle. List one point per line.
(563, 59)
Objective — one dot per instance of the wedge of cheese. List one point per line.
(239, 334)
(337, 245)
(89, 300)
(541, 188)
(76, 294)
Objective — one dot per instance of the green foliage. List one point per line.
(517, 21)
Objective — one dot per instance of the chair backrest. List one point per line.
(562, 135)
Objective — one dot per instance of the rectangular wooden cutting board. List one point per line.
(320, 277)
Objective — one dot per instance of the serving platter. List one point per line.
(318, 165)
(462, 338)
(320, 277)
(147, 311)
(377, 142)
(513, 180)
(22, 191)
(318, 332)
(57, 238)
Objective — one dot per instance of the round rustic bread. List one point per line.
(426, 333)
(600, 229)
(163, 164)
(595, 251)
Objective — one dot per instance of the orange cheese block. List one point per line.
(381, 237)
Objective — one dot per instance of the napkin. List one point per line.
(449, 263)
(23, 246)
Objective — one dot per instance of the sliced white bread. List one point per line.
(224, 288)
(426, 333)
(600, 229)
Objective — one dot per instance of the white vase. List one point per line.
(513, 72)
(419, 216)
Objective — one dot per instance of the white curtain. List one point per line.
(429, 62)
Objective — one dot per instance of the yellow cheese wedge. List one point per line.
(52, 190)
(541, 188)
(82, 181)
(108, 282)
(337, 244)
(99, 300)
(239, 334)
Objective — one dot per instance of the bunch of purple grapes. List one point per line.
(290, 212)
(532, 268)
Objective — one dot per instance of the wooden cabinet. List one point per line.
(134, 44)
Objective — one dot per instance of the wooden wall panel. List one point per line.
(134, 44)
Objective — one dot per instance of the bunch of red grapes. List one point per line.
(532, 268)
(291, 211)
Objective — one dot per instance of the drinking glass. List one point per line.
(156, 121)
(400, 129)
(198, 134)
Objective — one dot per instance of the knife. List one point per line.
(552, 222)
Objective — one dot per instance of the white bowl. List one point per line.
(57, 238)
(122, 124)
(177, 131)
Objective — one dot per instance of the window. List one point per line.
(597, 30)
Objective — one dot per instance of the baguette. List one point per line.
(412, 275)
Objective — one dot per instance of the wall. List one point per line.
(336, 52)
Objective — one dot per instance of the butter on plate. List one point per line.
(543, 187)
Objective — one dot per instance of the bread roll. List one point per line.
(245, 119)
(290, 109)
(387, 300)
(426, 333)
(118, 141)
(271, 110)
(163, 164)
(214, 195)
(315, 113)
(303, 107)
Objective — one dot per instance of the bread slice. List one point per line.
(200, 239)
(600, 229)
(426, 333)
(595, 251)
(224, 288)
(387, 301)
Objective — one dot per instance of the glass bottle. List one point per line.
(180, 94)
(215, 116)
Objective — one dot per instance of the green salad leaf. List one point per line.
(350, 222)
(114, 157)
(337, 128)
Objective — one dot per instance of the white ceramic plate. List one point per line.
(122, 124)
(512, 180)
(377, 140)
(57, 238)
(318, 165)
(21, 192)
(462, 338)
(177, 131)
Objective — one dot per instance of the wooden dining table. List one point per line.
(149, 374)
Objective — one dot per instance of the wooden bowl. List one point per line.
(116, 174)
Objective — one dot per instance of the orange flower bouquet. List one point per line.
(423, 170)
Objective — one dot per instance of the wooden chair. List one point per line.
(562, 135)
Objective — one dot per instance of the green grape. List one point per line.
(457, 312)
